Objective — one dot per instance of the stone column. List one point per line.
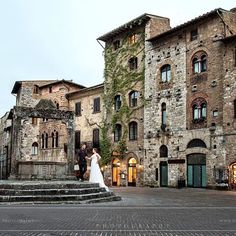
(70, 146)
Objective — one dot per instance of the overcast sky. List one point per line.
(56, 39)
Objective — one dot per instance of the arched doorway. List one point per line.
(116, 172)
(132, 172)
(196, 171)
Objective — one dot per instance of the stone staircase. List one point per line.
(48, 192)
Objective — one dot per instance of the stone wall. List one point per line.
(229, 96)
(178, 50)
(88, 120)
(170, 51)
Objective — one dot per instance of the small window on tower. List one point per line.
(50, 89)
(132, 38)
(215, 113)
(34, 121)
(116, 44)
(194, 34)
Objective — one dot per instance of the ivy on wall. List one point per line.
(120, 80)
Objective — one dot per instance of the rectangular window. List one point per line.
(215, 113)
(96, 105)
(116, 44)
(77, 139)
(132, 38)
(194, 34)
(34, 121)
(78, 109)
(36, 89)
(96, 138)
(133, 63)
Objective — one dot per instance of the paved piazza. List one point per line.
(143, 211)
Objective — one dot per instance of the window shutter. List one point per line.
(78, 109)
(77, 139)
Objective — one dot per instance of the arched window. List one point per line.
(163, 113)
(44, 139)
(34, 150)
(199, 107)
(118, 101)
(203, 63)
(133, 63)
(57, 104)
(166, 73)
(163, 151)
(133, 130)
(117, 132)
(133, 98)
(199, 62)
(55, 139)
(196, 143)
(196, 65)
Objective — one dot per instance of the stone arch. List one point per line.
(132, 162)
(196, 143)
(116, 162)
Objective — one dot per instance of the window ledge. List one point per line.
(200, 120)
(95, 112)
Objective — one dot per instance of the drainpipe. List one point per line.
(100, 44)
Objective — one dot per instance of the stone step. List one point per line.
(55, 198)
(47, 185)
(48, 192)
(104, 199)
(76, 191)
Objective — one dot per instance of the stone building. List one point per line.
(42, 130)
(228, 139)
(124, 96)
(165, 115)
(188, 88)
(5, 146)
(87, 104)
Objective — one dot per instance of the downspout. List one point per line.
(100, 44)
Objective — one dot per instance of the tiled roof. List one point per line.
(133, 23)
(188, 23)
(98, 86)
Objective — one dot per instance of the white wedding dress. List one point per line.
(95, 172)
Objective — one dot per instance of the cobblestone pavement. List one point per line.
(143, 211)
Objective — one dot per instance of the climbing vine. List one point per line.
(120, 80)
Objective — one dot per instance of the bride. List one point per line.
(95, 172)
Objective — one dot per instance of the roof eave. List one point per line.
(99, 86)
(133, 23)
(16, 87)
(186, 24)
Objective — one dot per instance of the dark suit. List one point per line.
(82, 162)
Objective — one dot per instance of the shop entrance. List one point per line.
(132, 172)
(196, 170)
(116, 172)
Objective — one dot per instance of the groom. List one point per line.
(81, 159)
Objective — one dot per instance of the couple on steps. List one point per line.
(95, 172)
